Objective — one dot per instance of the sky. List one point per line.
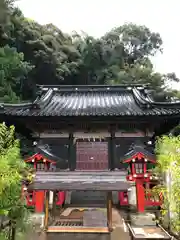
(97, 17)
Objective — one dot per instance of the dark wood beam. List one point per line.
(112, 148)
(71, 153)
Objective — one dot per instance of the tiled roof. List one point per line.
(137, 149)
(92, 101)
(46, 152)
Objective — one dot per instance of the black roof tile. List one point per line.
(139, 148)
(92, 101)
(46, 152)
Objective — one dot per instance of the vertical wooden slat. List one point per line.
(109, 210)
(112, 149)
(46, 218)
(71, 156)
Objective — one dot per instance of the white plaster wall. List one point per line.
(132, 196)
(50, 198)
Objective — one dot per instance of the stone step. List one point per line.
(88, 197)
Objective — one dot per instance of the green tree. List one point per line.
(6, 8)
(12, 169)
(13, 75)
(44, 46)
(123, 55)
(168, 165)
(138, 41)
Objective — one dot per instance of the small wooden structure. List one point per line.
(140, 161)
(43, 160)
(66, 180)
(148, 232)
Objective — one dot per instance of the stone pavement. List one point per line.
(120, 231)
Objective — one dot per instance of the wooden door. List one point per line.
(91, 155)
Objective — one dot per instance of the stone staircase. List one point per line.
(88, 198)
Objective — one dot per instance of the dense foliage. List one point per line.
(46, 55)
(12, 169)
(168, 152)
(13, 73)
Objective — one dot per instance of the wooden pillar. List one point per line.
(39, 201)
(112, 149)
(46, 217)
(109, 210)
(54, 205)
(71, 155)
(140, 194)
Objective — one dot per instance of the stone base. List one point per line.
(38, 219)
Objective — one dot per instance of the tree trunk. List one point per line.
(13, 234)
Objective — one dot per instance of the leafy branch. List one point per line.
(168, 166)
(12, 172)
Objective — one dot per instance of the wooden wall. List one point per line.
(65, 148)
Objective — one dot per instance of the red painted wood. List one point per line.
(36, 198)
(139, 156)
(38, 157)
(60, 198)
(133, 169)
(139, 177)
(140, 193)
(39, 201)
(92, 155)
(123, 198)
(145, 167)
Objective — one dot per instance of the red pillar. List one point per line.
(140, 195)
(39, 201)
(123, 198)
(61, 198)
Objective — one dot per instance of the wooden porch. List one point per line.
(94, 221)
(90, 220)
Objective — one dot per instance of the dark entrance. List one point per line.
(91, 155)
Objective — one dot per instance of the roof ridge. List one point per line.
(44, 99)
(90, 88)
(94, 86)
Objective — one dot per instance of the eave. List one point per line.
(38, 157)
(139, 151)
(78, 180)
(93, 101)
(139, 156)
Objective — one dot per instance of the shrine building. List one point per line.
(94, 145)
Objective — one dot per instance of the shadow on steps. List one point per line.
(119, 233)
